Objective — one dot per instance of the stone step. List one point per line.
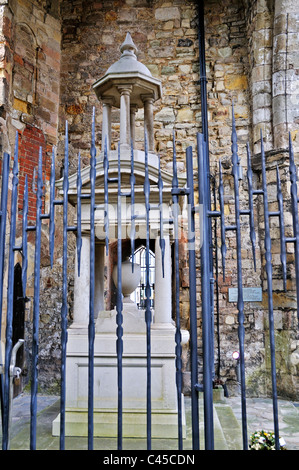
(227, 429)
(230, 426)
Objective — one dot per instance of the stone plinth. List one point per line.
(163, 388)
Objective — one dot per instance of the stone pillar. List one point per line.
(261, 74)
(285, 78)
(106, 125)
(99, 279)
(125, 133)
(149, 120)
(81, 286)
(133, 110)
(162, 284)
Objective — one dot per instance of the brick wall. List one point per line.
(30, 142)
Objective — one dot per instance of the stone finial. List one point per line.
(128, 46)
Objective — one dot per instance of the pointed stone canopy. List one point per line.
(128, 71)
(128, 85)
(128, 44)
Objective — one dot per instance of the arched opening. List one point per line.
(138, 296)
(18, 323)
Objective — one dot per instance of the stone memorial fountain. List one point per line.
(127, 85)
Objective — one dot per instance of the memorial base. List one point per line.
(163, 424)
(164, 410)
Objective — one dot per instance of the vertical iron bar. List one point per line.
(192, 297)
(250, 205)
(222, 222)
(294, 205)
(203, 191)
(148, 313)
(240, 302)
(283, 253)
(162, 240)
(119, 307)
(268, 257)
(35, 339)
(106, 208)
(91, 326)
(178, 338)
(24, 238)
(79, 237)
(216, 281)
(133, 230)
(4, 197)
(10, 290)
(64, 308)
(52, 209)
(205, 133)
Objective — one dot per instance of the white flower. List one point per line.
(282, 442)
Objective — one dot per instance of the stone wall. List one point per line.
(29, 102)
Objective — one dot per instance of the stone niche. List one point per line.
(128, 85)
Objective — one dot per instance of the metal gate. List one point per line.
(7, 369)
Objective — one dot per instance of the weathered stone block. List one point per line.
(167, 13)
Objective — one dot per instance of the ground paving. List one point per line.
(227, 426)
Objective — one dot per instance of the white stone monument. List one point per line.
(128, 85)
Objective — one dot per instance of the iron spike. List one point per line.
(119, 308)
(79, 235)
(148, 316)
(91, 324)
(4, 198)
(250, 203)
(106, 195)
(10, 290)
(240, 302)
(36, 304)
(294, 205)
(162, 240)
(222, 221)
(178, 337)
(268, 257)
(283, 256)
(24, 238)
(133, 231)
(52, 209)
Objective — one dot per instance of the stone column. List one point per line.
(106, 125)
(162, 284)
(125, 133)
(133, 110)
(81, 286)
(261, 75)
(285, 78)
(148, 101)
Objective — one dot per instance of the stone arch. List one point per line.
(25, 68)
